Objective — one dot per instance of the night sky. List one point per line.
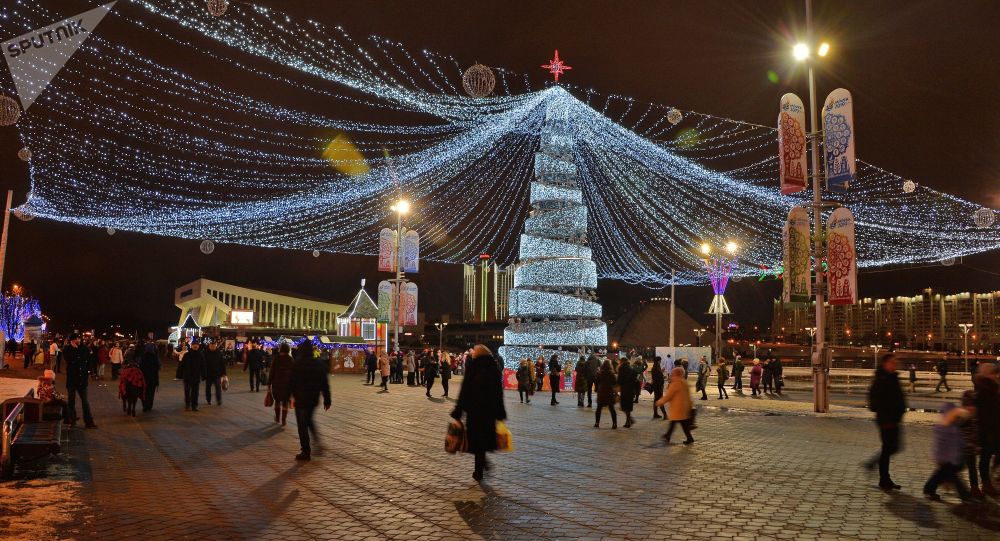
(922, 72)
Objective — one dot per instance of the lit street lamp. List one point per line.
(802, 52)
(966, 327)
(812, 333)
(875, 348)
(440, 327)
(698, 333)
(720, 268)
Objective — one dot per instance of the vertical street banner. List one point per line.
(796, 286)
(411, 251)
(386, 250)
(841, 258)
(792, 163)
(838, 140)
(408, 303)
(35, 58)
(384, 300)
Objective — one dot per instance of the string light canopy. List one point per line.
(238, 156)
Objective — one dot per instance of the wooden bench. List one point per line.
(29, 431)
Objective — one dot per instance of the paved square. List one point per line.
(227, 473)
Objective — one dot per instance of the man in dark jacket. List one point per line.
(555, 370)
(942, 370)
(886, 399)
(77, 380)
(371, 364)
(593, 367)
(307, 381)
(192, 372)
(987, 385)
(253, 361)
(215, 368)
(150, 365)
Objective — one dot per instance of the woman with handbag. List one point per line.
(278, 378)
(383, 369)
(481, 400)
(657, 381)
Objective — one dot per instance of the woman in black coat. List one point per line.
(481, 400)
(150, 365)
(278, 380)
(605, 383)
(626, 384)
(657, 383)
(445, 374)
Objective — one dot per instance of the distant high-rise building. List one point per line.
(486, 291)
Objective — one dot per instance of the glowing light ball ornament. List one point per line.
(112, 231)
(315, 253)
(23, 215)
(206, 247)
(674, 116)
(909, 186)
(10, 111)
(984, 218)
(217, 7)
(478, 81)
(947, 262)
(24, 154)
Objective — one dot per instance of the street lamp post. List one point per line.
(875, 348)
(698, 333)
(440, 327)
(802, 52)
(966, 327)
(720, 268)
(812, 333)
(400, 208)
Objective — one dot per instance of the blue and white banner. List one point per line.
(35, 58)
(838, 140)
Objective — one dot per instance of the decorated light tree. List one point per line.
(553, 306)
(15, 308)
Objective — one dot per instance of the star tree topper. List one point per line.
(556, 66)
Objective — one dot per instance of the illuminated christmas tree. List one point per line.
(553, 303)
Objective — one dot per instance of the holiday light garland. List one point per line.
(146, 147)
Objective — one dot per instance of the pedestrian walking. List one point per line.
(702, 382)
(279, 385)
(77, 380)
(555, 370)
(383, 369)
(55, 354)
(913, 378)
(371, 365)
(738, 375)
(446, 370)
(942, 369)
(308, 380)
(149, 364)
(430, 372)
(193, 372)
(253, 360)
(969, 428)
(721, 376)
(678, 395)
(481, 401)
(523, 377)
(605, 383)
(593, 367)
(768, 378)
(580, 380)
(115, 357)
(639, 367)
(657, 382)
(411, 369)
(131, 387)
(103, 358)
(215, 369)
(885, 398)
(948, 453)
(626, 386)
(987, 387)
(755, 376)
(539, 378)
(778, 374)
